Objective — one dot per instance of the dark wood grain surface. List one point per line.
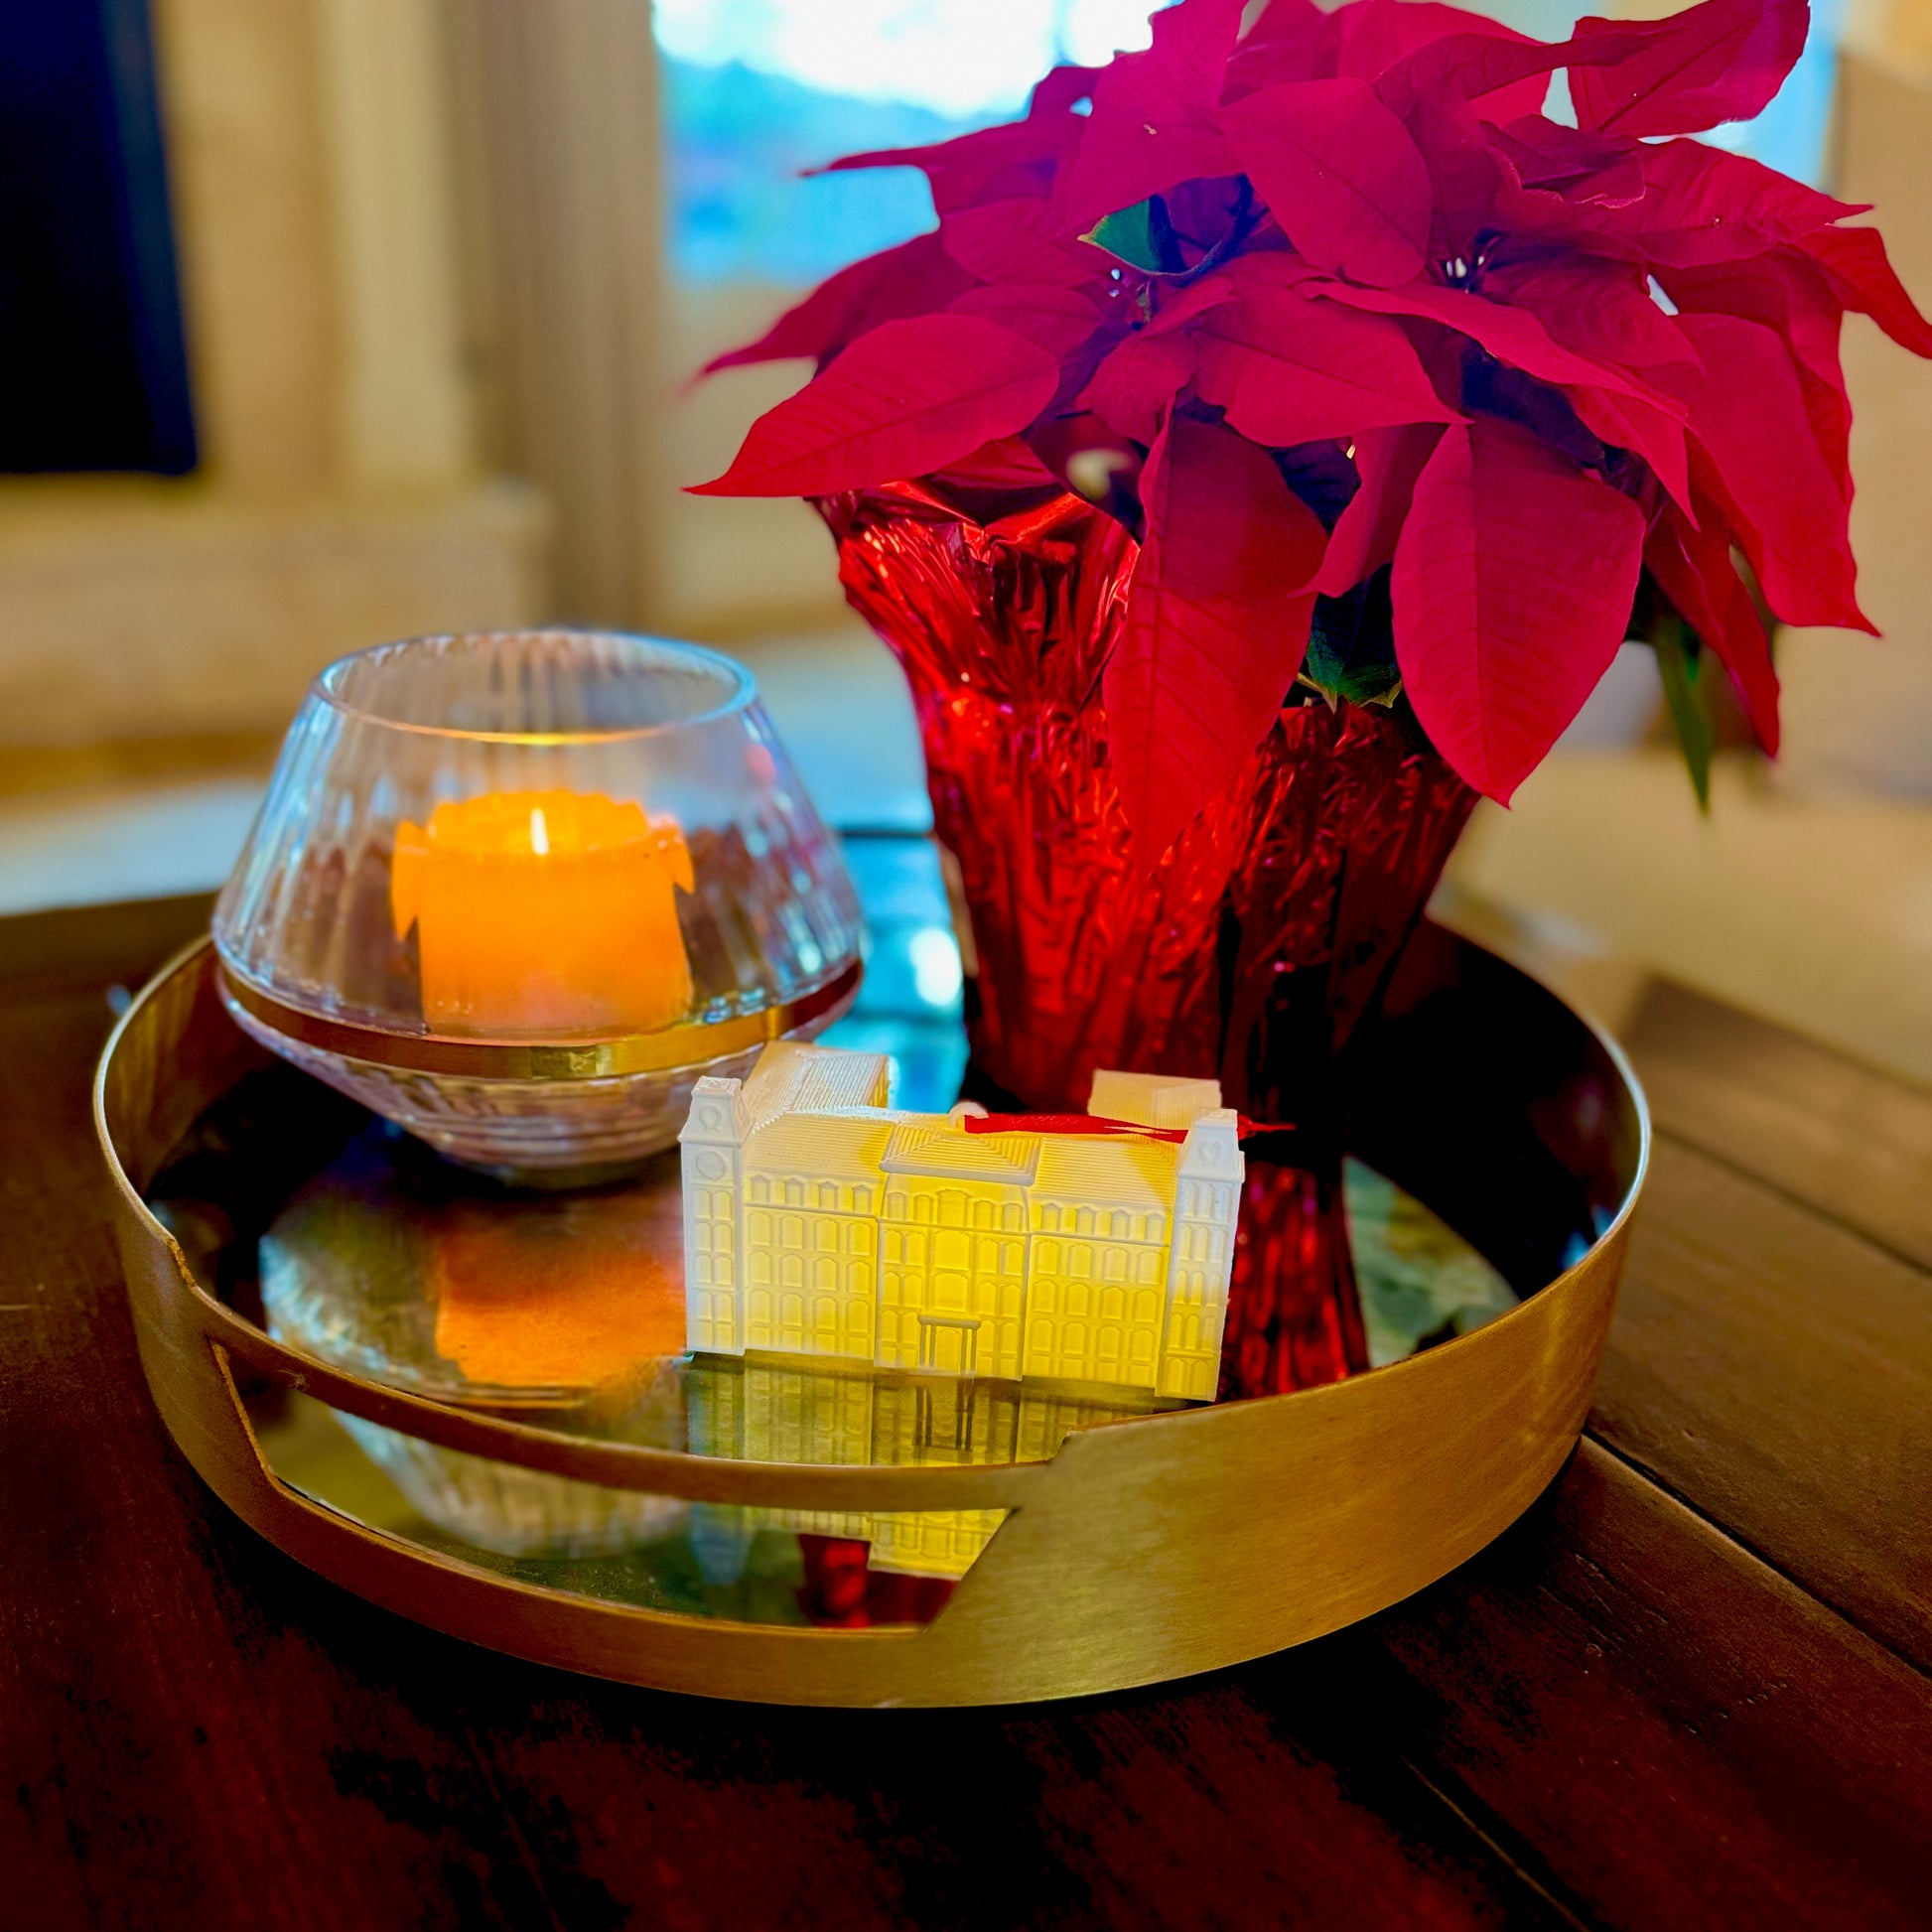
(1688, 1689)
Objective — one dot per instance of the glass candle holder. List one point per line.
(519, 890)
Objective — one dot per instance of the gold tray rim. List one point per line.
(686, 1046)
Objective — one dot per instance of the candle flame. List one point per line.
(539, 832)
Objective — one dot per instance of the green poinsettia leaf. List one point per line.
(1681, 660)
(1141, 236)
(1351, 648)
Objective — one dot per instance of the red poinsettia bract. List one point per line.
(1341, 296)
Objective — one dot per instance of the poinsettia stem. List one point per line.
(1680, 664)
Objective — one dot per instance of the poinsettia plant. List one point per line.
(1409, 390)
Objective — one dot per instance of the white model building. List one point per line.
(820, 1220)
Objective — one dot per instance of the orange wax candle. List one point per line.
(545, 913)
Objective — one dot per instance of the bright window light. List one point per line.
(965, 59)
(758, 92)
(1092, 32)
(936, 975)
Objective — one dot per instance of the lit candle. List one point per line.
(545, 913)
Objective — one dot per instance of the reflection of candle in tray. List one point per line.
(574, 1296)
(546, 912)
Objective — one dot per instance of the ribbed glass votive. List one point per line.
(519, 890)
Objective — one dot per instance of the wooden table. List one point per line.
(1688, 1689)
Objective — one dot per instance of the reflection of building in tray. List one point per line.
(820, 1221)
(768, 1412)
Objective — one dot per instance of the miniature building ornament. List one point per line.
(820, 1220)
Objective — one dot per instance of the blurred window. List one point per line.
(756, 91)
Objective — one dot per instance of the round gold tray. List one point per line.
(1144, 1549)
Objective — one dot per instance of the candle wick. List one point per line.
(539, 832)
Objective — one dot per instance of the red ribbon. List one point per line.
(1095, 1124)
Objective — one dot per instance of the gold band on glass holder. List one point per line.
(692, 1044)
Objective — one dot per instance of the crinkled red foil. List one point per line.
(1251, 952)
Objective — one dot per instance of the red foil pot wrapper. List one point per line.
(1250, 953)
